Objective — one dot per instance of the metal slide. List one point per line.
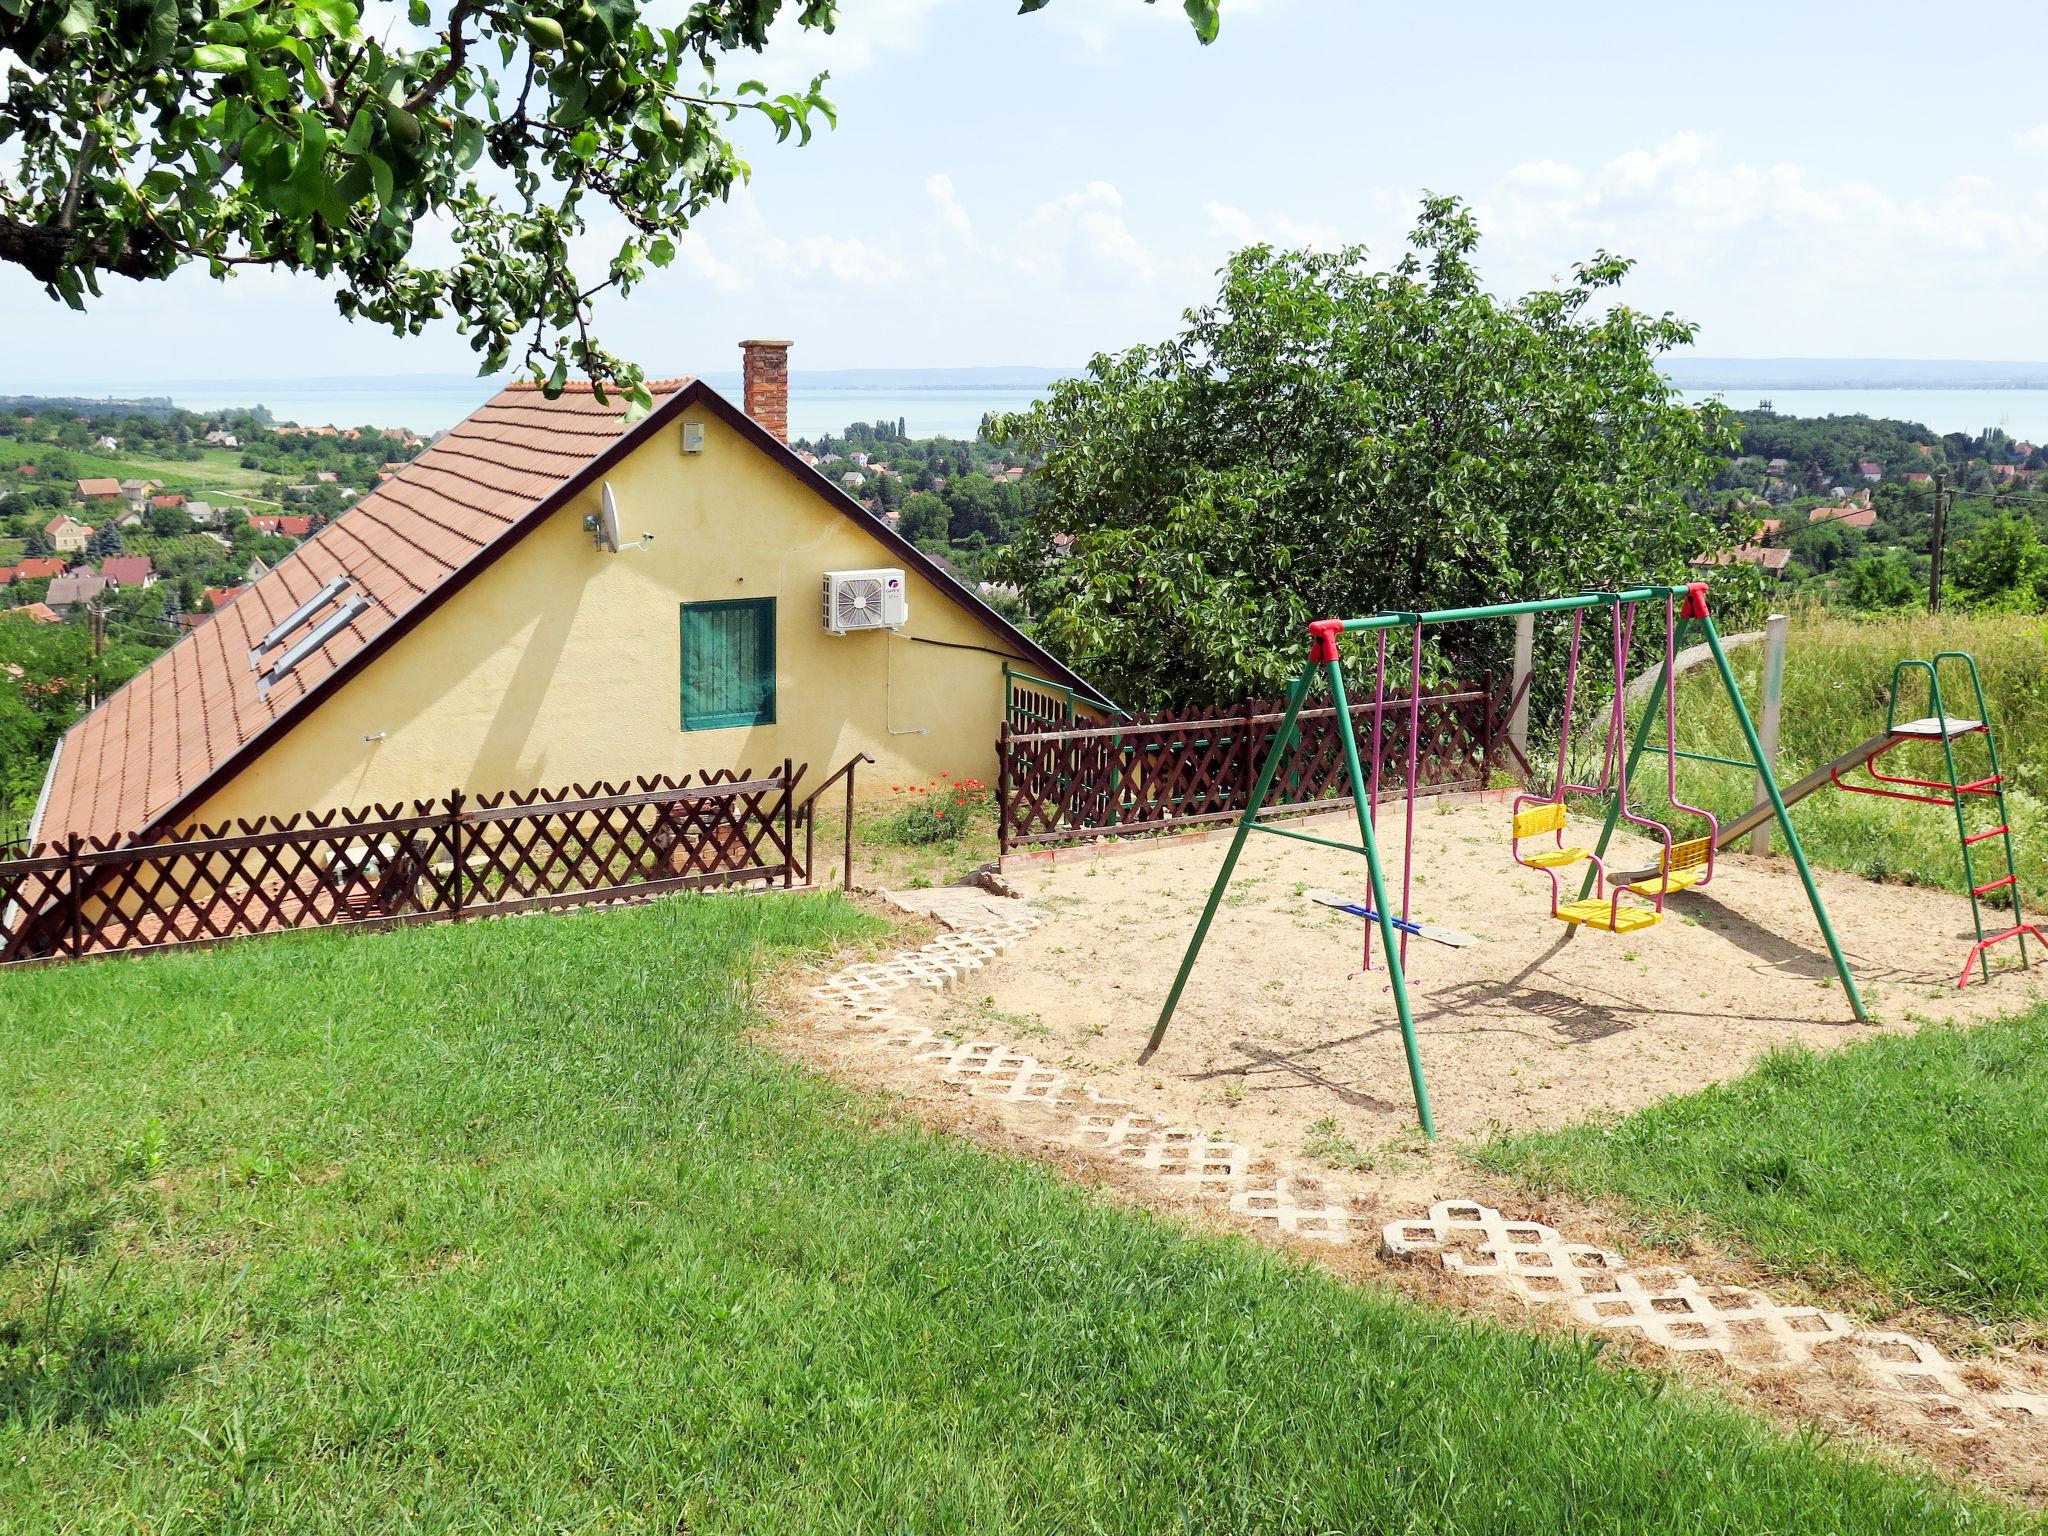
(1798, 790)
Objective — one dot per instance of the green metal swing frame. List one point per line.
(1325, 663)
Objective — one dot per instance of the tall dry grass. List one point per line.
(1838, 683)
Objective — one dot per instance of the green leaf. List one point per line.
(160, 33)
(469, 142)
(1205, 15)
(380, 179)
(360, 129)
(219, 59)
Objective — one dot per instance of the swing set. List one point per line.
(1684, 863)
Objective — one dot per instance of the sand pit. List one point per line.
(1280, 1033)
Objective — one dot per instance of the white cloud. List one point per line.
(1099, 24)
(1083, 232)
(1793, 255)
(2032, 141)
(1081, 238)
(952, 217)
(1234, 228)
(865, 32)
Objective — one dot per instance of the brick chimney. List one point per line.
(765, 395)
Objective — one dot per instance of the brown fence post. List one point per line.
(458, 865)
(1003, 770)
(788, 825)
(846, 830)
(1247, 764)
(74, 905)
(1488, 731)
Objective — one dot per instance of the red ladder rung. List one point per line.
(1982, 786)
(1978, 837)
(1993, 885)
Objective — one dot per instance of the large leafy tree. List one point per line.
(2005, 565)
(1328, 438)
(141, 136)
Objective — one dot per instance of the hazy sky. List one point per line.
(1801, 179)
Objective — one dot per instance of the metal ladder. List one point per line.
(1962, 794)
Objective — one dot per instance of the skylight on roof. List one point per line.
(299, 616)
(321, 633)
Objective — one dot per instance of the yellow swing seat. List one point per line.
(1600, 912)
(1537, 821)
(1685, 868)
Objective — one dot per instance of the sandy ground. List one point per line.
(1280, 1033)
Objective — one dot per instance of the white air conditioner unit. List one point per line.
(856, 600)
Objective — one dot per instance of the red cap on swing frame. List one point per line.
(1323, 635)
(1695, 601)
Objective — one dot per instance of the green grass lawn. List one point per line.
(1911, 1164)
(507, 1227)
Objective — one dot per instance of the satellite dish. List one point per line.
(603, 524)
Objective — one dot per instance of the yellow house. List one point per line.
(67, 535)
(553, 596)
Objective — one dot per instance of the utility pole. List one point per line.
(1940, 535)
(96, 617)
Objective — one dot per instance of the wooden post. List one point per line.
(1519, 684)
(1487, 732)
(455, 853)
(1247, 769)
(1005, 768)
(846, 855)
(1940, 537)
(1776, 629)
(788, 826)
(74, 907)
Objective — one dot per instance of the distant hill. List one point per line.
(1850, 373)
(151, 405)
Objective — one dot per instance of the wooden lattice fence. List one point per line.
(1182, 769)
(461, 856)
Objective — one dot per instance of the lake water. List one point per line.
(429, 402)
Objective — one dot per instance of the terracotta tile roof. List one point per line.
(104, 487)
(42, 613)
(39, 567)
(152, 753)
(167, 733)
(129, 570)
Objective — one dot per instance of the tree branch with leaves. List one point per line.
(140, 137)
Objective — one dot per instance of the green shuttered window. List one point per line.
(728, 663)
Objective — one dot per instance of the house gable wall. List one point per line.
(559, 664)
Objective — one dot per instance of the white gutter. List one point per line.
(35, 822)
